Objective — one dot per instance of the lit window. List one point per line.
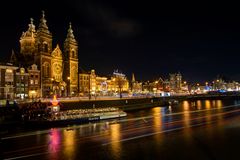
(9, 75)
(31, 81)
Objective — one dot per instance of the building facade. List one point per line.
(7, 81)
(175, 82)
(22, 84)
(96, 85)
(34, 86)
(58, 69)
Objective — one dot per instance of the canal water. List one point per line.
(191, 129)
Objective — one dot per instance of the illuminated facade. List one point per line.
(92, 83)
(118, 83)
(84, 83)
(34, 86)
(22, 79)
(97, 85)
(136, 87)
(7, 81)
(175, 82)
(101, 85)
(58, 70)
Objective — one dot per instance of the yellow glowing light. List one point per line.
(54, 101)
(186, 106)
(207, 104)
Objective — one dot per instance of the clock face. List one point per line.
(57, 68)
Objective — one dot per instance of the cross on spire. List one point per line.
(70, 36)
(43, 23)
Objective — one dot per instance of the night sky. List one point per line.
(199, 40)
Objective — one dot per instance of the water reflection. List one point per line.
(219, 104)
(186, 106)
(69, 143)
(199, 105)
(186, 120)
(54, 143)
(186, 114)
(207, 104)
(157, 121)
(115, 138)
(236, 102)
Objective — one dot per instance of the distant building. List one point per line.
(7, 81)
(101, 86)
(118, 83)
(84, 81)
(89, 82)
(136, 87)
(219, 84)
(175, 82)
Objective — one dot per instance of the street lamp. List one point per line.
(89, 86)
(68, 86)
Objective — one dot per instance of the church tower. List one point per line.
(71, 62)
(27, 43)
(43, 55)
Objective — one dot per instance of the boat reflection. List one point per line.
(54, 143)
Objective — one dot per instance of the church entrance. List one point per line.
(59, 88)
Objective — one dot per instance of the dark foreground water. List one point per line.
(208, 129)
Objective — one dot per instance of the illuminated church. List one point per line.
(58, 69)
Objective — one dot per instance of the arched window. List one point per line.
(73, 54)
(45, 47)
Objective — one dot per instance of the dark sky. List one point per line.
(151, 39)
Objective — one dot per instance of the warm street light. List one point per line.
(68, 86)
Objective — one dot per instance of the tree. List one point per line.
(120, 83)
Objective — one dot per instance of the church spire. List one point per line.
(43, 24)
(70, 36)
(30, 33)
(133, 77)
(13, 57)
(31, 26)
